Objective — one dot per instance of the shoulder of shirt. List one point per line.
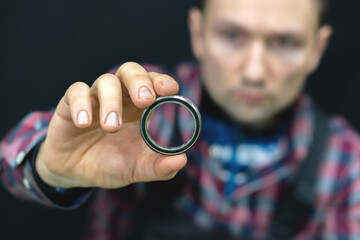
(344, 131)
(341, 167)
(344, 149)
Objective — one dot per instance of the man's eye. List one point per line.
(231, 35)
(283, 43)
(234, 37)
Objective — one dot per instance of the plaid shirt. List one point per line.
(217, 193)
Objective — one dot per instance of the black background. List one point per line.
(47, 45)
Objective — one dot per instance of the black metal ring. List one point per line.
(172, 150)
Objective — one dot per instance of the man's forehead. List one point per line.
(273, 15)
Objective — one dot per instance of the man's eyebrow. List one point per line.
(231, 25)
(293, 35)
(275, 33)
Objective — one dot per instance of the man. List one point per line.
(259, 130)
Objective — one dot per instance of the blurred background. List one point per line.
(47, 45)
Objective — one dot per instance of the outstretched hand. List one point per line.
(94, 139)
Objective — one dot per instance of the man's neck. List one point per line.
(269, 129)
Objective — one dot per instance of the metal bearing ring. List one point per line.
(171, 150)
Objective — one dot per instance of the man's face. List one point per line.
(256, 54)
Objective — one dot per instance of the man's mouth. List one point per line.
(250, 98)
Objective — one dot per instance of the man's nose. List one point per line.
(254, 71)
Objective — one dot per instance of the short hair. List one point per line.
(323, 9)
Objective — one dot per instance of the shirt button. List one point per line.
(224, 175)
(19, 158)
(240, 178)
(214, 150)
(26, 184)
(226, 208)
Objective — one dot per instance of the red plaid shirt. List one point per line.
(250, 205)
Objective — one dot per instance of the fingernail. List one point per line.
(83, 117)
(166, 82)
(112, 119)
(145, 93)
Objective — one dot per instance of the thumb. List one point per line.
(166, 167)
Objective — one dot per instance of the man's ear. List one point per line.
(195, 22)
(323, 37)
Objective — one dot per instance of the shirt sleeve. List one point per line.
(16, 151)
(342, 219)
(341, 187)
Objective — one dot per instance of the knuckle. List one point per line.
(159, 77)
(76, 89)
(78, 99)
(162, 77)
(126, 66)
(78, 85)
(110, 102)
(129, 69)
(139, 77)
(105, 78)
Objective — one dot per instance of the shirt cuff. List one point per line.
(66, 198)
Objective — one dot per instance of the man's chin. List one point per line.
(253, 117)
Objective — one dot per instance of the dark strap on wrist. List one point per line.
(59, 196)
